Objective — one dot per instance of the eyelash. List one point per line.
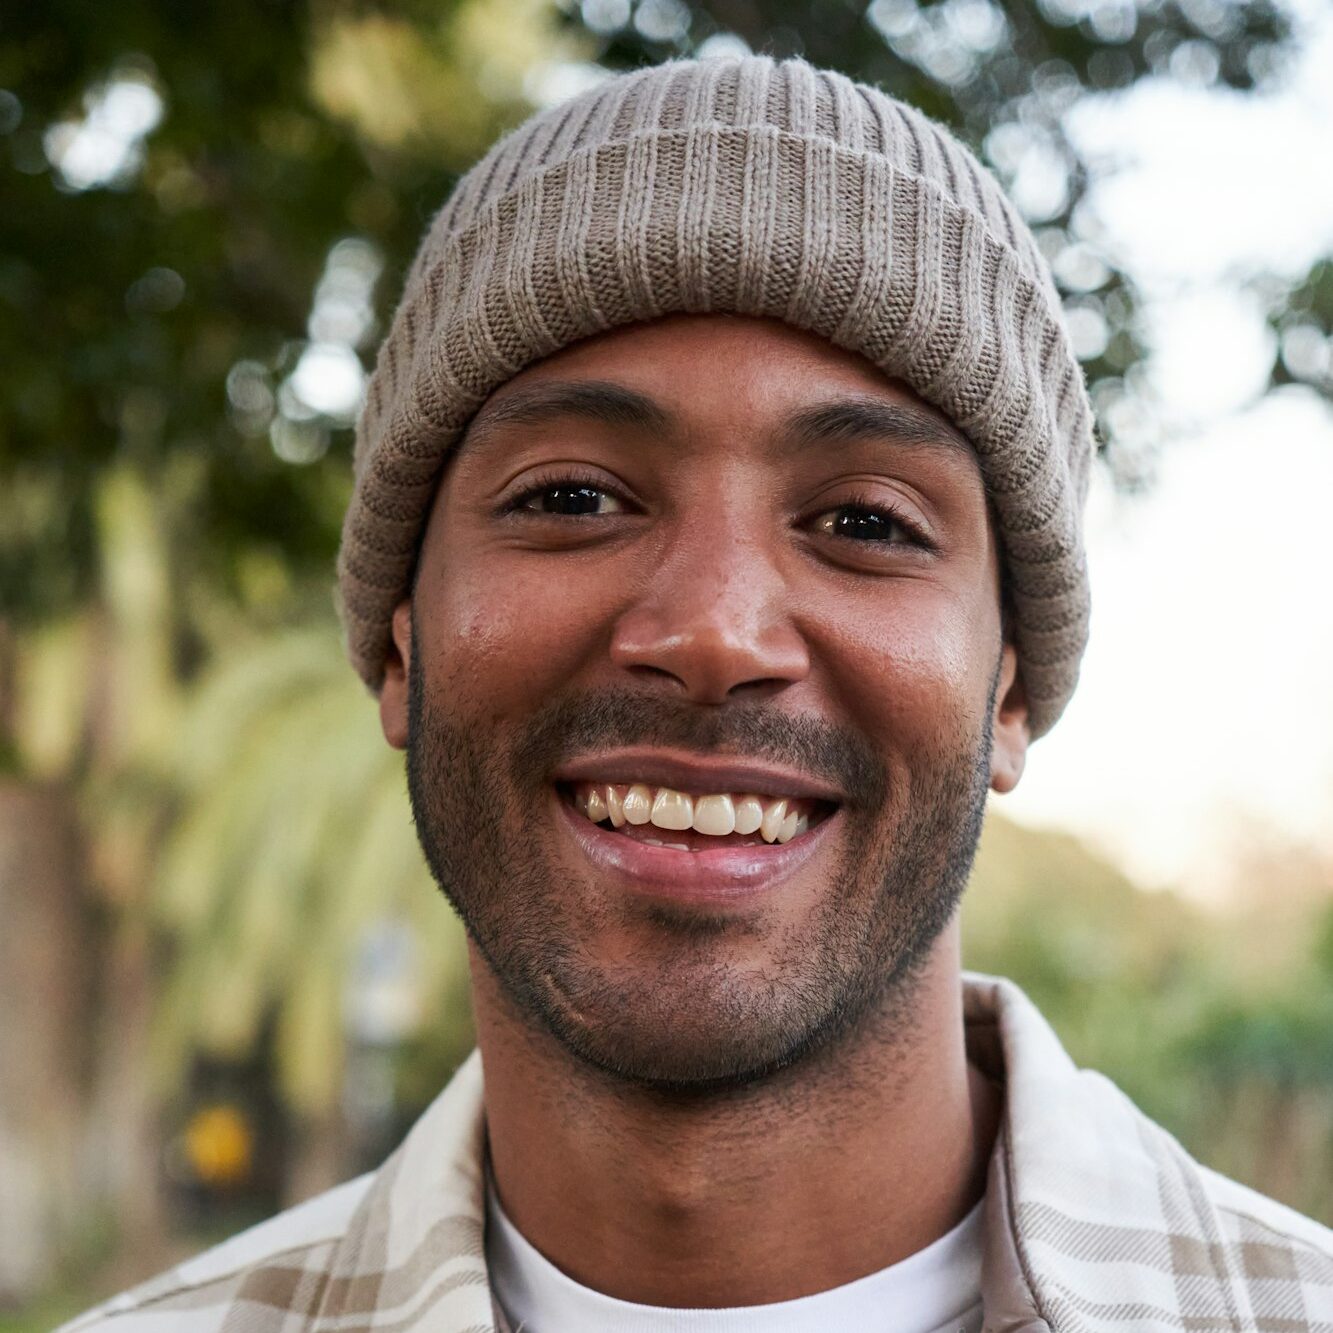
(885, 509)
(545, 481)
(859, 500)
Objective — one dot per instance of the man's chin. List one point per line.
(681, 1037)
(697, 1067)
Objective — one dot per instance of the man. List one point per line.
(715, 548)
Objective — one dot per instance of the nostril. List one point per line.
(758, 691)
(646, 671)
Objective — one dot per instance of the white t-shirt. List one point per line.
(936, 1290)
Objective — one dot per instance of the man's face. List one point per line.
(707, 557)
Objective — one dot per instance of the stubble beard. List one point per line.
(679, 1011)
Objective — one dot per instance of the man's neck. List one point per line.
(822, 1174)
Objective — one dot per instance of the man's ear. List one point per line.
(1009, 725)
(393, 693)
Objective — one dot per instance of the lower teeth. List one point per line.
(746, 840)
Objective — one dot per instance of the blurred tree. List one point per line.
(1219, 1025)
(177, 177)
(43, 1038)
(1301, 316)
(292, 851)
(91, 709)
(1003, 74)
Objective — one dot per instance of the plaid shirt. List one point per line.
(1096, 1219)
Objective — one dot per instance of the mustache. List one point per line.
(586, 720)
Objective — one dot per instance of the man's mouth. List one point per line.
(694, 821)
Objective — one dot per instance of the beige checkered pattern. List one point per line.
(1097, 1221)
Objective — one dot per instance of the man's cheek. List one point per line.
(904, 669)
(512, 629)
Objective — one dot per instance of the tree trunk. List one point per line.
(122, 1133)
(45, 987)
(320, 1157)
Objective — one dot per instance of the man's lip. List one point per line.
(728, 875)
(695, 773)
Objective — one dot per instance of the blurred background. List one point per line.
(226, 981)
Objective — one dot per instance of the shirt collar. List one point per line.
(1096, 1218)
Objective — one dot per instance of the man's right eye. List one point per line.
(569, 498)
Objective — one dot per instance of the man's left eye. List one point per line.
(573, 499)
(862, 524)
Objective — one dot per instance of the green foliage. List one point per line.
(126, 303)
(293, 839)
(1301, 316)
(104, 366)
(1236, 1060)
(45, 1314)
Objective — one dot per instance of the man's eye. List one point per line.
(864, 524)
(569, 498)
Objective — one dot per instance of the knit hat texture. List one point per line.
(757, 188)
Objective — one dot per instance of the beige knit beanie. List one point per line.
(757, 188)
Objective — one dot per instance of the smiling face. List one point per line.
(673, 576)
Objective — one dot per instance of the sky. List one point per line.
(1204, 717)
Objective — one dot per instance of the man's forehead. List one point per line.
(697, 371)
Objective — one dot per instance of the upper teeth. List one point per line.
(775, 819)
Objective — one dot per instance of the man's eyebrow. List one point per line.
(593, 400)
(844, 420)
(854, 419)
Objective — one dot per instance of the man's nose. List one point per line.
(714, 619)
